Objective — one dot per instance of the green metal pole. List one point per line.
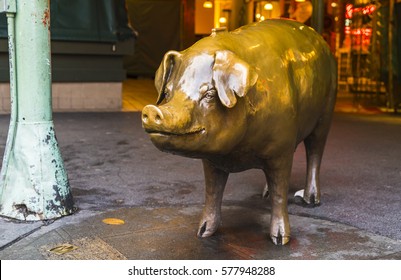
(391, 102)
(10, 8)
(33, 181)
(317, 15)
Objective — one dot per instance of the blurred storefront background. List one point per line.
(364, 35)
(106, 41)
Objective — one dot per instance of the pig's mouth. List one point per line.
(173, 133)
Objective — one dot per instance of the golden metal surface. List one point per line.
(245, 99)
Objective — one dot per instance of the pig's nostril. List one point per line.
(145, 118)
(152, 115)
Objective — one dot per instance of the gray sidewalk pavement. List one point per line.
(116, 172)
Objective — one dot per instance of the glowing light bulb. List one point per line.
(208, 4)
(268, 7)
(222, 20)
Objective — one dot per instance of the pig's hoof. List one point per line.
(299, 193)
(307, 201)
(206, 229)
(265, 193)
(280, 229)
(312, 200)
(280, 240)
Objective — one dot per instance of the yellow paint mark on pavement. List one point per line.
(113, 221)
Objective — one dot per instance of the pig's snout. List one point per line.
(152, 116)
(160, 120)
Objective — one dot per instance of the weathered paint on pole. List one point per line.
(10, 8)
(33, 182)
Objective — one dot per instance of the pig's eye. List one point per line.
(167, 95)
(210, 94)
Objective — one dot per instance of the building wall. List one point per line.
(89, 40)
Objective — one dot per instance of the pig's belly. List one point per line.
(237, 162)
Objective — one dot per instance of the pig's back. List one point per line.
(296, 70)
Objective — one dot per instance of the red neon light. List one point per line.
(362, 31)
(350, 10)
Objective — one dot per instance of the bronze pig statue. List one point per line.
(245, 99)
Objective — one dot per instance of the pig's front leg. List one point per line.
(215, 182)
(278, 177)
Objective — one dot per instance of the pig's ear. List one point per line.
(163, 74)
(232, 76)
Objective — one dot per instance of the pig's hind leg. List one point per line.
(278, 171)
(314, 146)
(215, 182)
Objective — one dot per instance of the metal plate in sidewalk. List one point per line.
(82, 249)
